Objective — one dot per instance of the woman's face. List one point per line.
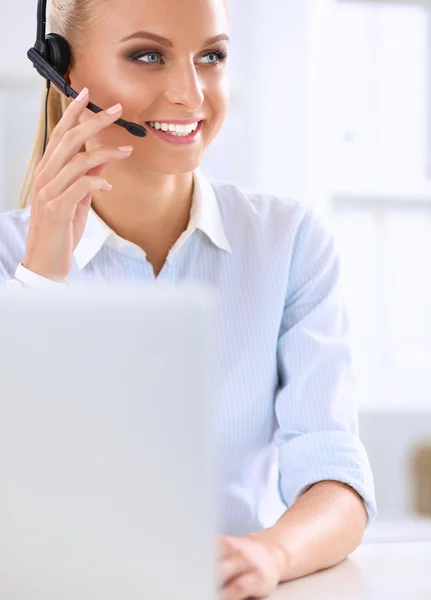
(180, 78)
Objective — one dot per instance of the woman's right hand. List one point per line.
(63, 185)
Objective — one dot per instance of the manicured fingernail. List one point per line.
(106, 187)
(82, 95)
(114, 109)
(125, 148)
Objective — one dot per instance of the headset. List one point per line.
(51, 57)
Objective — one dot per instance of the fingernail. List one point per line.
(114, 109)
(82, 95)
(125, 148)
(106, 187)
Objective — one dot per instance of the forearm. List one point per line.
(319, 530)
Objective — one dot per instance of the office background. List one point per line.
(331, 105)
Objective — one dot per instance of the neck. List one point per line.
(151, 210)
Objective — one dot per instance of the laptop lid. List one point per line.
(105, 454)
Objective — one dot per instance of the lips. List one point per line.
(180, 140)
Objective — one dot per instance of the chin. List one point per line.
(174, 166)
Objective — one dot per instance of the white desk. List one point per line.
(372, 572)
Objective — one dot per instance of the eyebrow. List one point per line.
(146, 35)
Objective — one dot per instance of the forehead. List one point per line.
(191, 21)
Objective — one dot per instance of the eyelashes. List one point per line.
(136, 56)
(222, 54)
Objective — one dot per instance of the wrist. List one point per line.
(280, 554)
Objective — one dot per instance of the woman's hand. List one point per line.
(63, 185)
(248, 567)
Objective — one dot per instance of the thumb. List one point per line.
(98, 172)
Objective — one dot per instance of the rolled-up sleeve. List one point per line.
(316, 402)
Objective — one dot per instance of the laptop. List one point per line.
(106, 480)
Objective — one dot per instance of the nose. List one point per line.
(183, 86)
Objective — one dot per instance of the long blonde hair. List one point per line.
(69, 18)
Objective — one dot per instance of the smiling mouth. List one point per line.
(174, 129)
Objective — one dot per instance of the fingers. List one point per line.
(232, 567)
(81, 164)
(68, 120)
(74, 139)
(85, 203)
(68, 138)
(241, 589)
(64, 206)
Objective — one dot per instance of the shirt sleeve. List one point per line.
(316, 402)
(28, 279)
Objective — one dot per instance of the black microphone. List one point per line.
(48, 72)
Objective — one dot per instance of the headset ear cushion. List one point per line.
(58, 53)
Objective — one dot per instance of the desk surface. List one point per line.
(372, 572)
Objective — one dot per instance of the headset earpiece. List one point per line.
(51, 57)
(58, 53)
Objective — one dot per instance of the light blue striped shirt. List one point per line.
(286, 405)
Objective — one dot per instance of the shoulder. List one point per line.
(269, 216)
(13, 235)
(255, 203)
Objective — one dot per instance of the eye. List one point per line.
(153, 57)
(214, 58)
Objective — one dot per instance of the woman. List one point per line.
(286, 397)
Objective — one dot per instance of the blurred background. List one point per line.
(331, 106)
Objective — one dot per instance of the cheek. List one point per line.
(221, 94)
(135, 94)
(129, 85)
(218, 99)
(136, 104)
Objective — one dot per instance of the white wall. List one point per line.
(267, 138)
(20, 93)
(18, 35)
(21, 101)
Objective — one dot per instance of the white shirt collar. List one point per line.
(204, 215)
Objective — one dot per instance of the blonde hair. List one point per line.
(69, 18)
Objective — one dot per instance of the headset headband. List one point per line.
(51, 56)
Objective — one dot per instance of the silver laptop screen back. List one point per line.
(105, 450)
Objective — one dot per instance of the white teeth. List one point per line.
(181, 130)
